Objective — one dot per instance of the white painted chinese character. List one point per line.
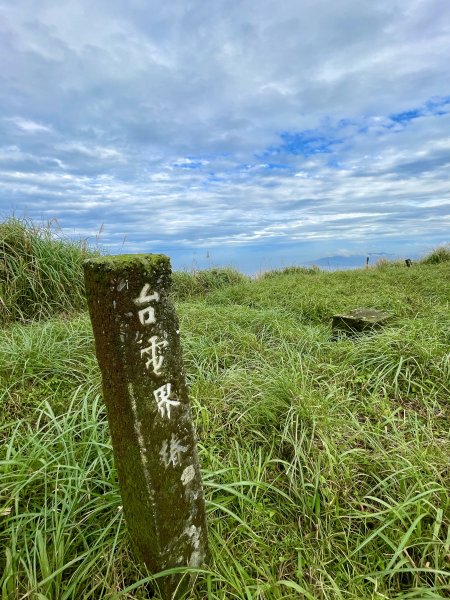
(144, 296)
(162, 397)
(171, 452)
(146, 315)
(155, 354)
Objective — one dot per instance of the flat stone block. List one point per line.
(360, 320)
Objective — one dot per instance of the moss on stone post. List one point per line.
(138, 349)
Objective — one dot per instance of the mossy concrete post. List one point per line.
(138, 349)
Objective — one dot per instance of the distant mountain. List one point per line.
(352, 261)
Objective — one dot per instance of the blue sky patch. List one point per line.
(433, 106)
(304, 143)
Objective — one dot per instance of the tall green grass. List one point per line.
(198, 283)
(40, 273)
(325, 463)
(437, 256)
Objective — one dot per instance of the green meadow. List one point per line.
(325, 462)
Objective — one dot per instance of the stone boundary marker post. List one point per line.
(138, 349)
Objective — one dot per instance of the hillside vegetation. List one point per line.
(325, 463)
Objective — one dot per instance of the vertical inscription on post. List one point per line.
(138, 350)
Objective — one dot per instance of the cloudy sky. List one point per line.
(251, 133)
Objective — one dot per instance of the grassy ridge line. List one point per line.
(41, 274)
(402, 292)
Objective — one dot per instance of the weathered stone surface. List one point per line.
(360, 320)
(138, 350)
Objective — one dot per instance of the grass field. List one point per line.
(325, 463)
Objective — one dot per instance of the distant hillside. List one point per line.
(351, 261)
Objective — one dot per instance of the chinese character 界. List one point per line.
(163, 401)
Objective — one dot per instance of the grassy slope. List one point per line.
(325, 463)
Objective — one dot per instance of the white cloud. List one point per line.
(90, 151)
(29, 126)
